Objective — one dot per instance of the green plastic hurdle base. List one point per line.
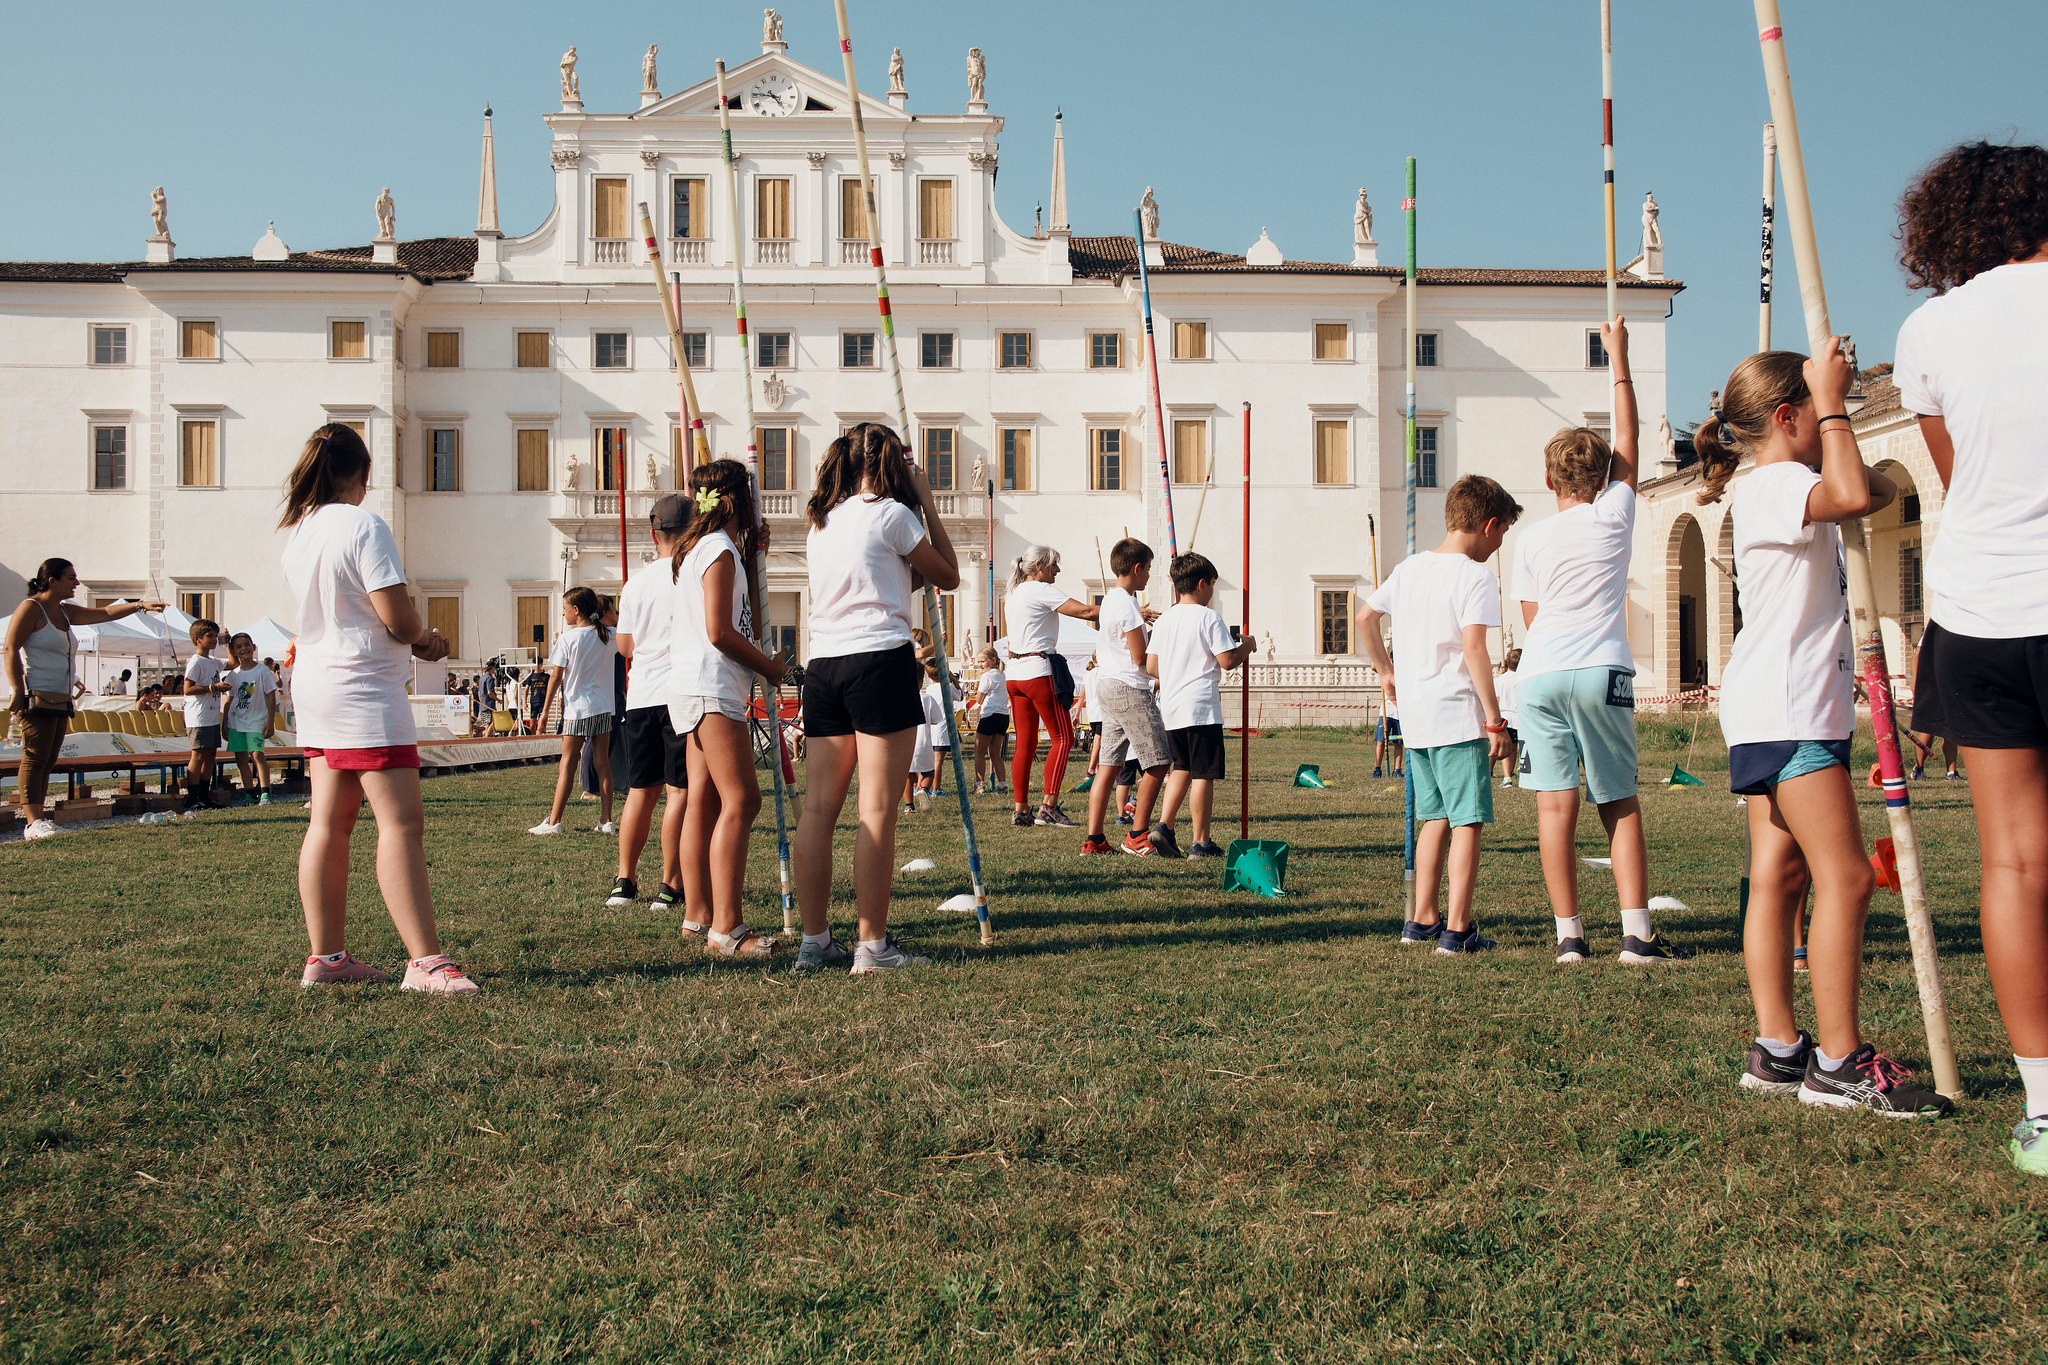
(1310, 775)
(1681, 778)
(1256, 865)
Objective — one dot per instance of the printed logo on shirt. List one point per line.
(1621, 688)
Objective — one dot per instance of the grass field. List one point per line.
(1151, 1124)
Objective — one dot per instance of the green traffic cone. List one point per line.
(1085, 783)
(1681, 778)
(1256, 865)
(1309, 775)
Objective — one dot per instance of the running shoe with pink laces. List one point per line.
(320, 972)
(438, 976)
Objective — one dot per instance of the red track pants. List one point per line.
(1031, 701)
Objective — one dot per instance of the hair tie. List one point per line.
(707, 500)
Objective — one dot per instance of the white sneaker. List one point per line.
(892, 957)
(436, 976)
(545, 827)
(607, 828)
(40, 829)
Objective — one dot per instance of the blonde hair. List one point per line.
(1578, 462)
(1756, 389)
(1033, 559)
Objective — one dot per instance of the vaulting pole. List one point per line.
(694, 411)
(934, 622)
(1408, 478)
(1244, 703)
(1607, 145)
(1763, 321)
(757, 571)
(991, 563)
(1158, 413)
(1941, 1053)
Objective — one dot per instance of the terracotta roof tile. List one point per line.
(1880, 399)
(1112, 258)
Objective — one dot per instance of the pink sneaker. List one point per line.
(320, 972)
(437, 975)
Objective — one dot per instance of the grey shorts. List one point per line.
(685, 714)
(588, 725)
(205, 737)
(1130, 721)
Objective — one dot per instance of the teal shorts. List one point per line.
(245, 741)
(1575, 716)
(1453, 782)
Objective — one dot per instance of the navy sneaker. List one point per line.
(1375, 772)
(1769, 1074)
(1413, 932)
(1573, 950)
(1204, 848)
(1452, 944)
(1163, 840)
(1655, 948)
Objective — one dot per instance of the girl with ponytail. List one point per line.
(580, 672)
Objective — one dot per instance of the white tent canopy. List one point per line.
(272, 639)
(180, 624)
(138, 634)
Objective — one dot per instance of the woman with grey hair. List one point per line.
(1039, 684)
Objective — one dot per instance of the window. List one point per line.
(444, 460)
(1912, 599)
(610, 350)
(204, 605)
(696, 350)
(1333, 613)
(445, 615)
(771, 209)
(935, 210)
(1013, 350)
(1015, 443)
(941, 447)
(1333, 341)
(199, 454)
(1190, 341)
(532, 615)
(772, 350)
(1190, 451)
(1333, 452)
(1425, 457)
(1105, 350)
(857, 350)
(110, 345)
(533, 350)
(692, 209)
(1596, 354)
(611, 458)
(198, 341)
(853, 211)
(778, 470)
(1106, 460)
(345, 341)
(935, 350)
(532, 445)
(1909, 509)
(444, 350)
(608, 203)
(1425, 350)
(110, 457)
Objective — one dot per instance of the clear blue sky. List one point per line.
(1243, 116)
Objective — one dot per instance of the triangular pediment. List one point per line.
(819, 94)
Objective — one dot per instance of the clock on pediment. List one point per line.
(774, 95)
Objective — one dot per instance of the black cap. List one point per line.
(671, 512)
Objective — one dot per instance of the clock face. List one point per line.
(774, 95)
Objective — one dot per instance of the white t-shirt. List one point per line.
(1975, 358)
(1187, 637)
(695, 669)
(995, 693)
(586, 664)
(1091, 709)
(1120, 616)
(247, 707)
(1504, 686)
(1432, 597)
(934, 717)
(1789, 676)
(203, 710)
(646, 614)
(1574, 567)
(861, 594)
(348, 682)
(922, 760)
(1034, 618)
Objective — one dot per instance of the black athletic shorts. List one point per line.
(1129, 776)
(1197, 751)
(1982, 694)
(654, 751)
(998, 724)
(1095, 729)
(868, 694)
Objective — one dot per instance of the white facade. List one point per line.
(1510, 345)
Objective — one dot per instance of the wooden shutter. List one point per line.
(1332, 341)
(611, 208)
(533, 350)
(198, 466)
(347, 341)
(935, 210)
(197, 340)
(777, 468)
(1016, 451)
(1333, 453)
(1190, 341)
(690, 208)
(771, 209)
(1190, 451)
(444, 350)
(853, 210)
(445, 615)
(533, 459)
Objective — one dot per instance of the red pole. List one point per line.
(1244, 708)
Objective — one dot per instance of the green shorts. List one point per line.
(1453, 782)
(245, 741)
(1580, 715)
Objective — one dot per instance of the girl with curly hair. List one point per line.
(1972, 362)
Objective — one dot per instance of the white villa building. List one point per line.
(150, 410)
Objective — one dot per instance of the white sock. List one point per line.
(1777, 1049)
(1570, 928)
(1828, 1063)
(817, 940)
(1636, 924)
(334, 959)
(875, 945)
(2034, 1071)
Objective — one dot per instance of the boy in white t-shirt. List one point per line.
(1442, 604)
(1575, 698)
(1189, 650)
(1132, 730)
(203, 689)
(251, 716)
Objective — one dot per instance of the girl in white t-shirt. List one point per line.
(1972, 362)
(1032, 608)
(992, 699)
(711, 664)
(1788, 712)
(874, 531)
(580, 673)
(358, 635)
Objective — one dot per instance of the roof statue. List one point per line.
(571, 91)
(648, 84)
(1361, 221)
(1653, 235)
(387, 216)
(572, 474)
(1668, 442)
(1148, 209)
(977, 78)
(771, 26)
(896, 73)
(653, 471)
(160, 214)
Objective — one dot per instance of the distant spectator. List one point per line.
(118, 687)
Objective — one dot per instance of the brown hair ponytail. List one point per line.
(870, 455)
(48, 572)
(591, 608)
(334, 459)
(1756, 389)
(720, 498)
